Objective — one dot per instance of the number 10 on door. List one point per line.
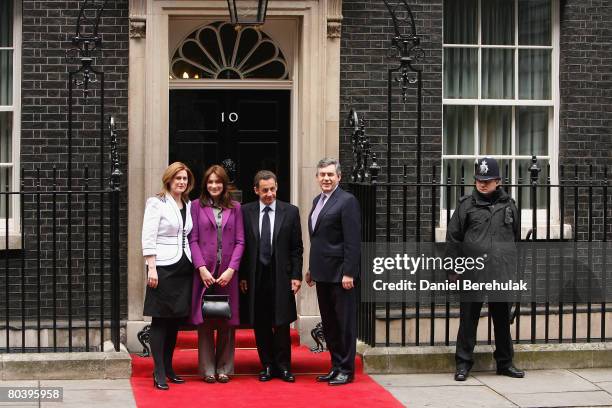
(232, 117)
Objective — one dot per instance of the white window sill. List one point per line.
(14, 241)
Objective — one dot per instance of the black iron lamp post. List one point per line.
(247, 12)
(85, 42)
(406, 50)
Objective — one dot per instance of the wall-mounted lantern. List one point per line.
(247, 12)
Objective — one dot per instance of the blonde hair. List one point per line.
(169, 175)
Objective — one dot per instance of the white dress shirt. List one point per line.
(271, 214)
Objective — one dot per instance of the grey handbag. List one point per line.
(216, 307)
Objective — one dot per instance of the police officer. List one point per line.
(485, 224)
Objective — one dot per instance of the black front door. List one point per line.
(250, 128)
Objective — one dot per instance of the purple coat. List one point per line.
(203, 245)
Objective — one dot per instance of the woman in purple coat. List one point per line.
(217, 243)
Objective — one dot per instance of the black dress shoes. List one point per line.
(328, 376)
(160, 386)
(461, 374)
(173, 378)
(511, 371)
(265, 374)
(341, 379)
(286, 376)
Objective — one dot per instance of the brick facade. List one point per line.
(367, 31)
(585, 82)
(585, 122)
(585, 75)
(47, 29)
(585, 106)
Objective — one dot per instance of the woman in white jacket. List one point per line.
(167, 221)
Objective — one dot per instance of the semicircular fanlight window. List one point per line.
(219, 51)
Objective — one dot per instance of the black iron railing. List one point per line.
(573, 210)
(59, 278)
(416, 207)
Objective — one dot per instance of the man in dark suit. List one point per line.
(271, 274)
(335, 245)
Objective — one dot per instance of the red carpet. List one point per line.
(245, 390)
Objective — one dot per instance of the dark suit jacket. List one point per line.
(287, 251)
(335, 241)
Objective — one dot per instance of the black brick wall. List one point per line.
(367, 31)
(585, 119)
(585, 75)
(48, 27)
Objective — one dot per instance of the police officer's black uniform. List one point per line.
(485, 226)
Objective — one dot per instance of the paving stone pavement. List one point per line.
(79, 393)
(539, 388)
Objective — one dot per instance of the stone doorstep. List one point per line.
(441, 359)
(66, 366)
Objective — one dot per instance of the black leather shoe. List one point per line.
(328, 376)
(511, 371)
(265, 374)
(286, 376)
(341, 379)
(173, 378)
(461, 374)
(160, 386)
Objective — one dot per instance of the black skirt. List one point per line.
(172, 296)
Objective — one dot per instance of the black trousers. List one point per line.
(339, 317)
(273, 342)
(469, 315)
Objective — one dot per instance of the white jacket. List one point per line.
(162, 230)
